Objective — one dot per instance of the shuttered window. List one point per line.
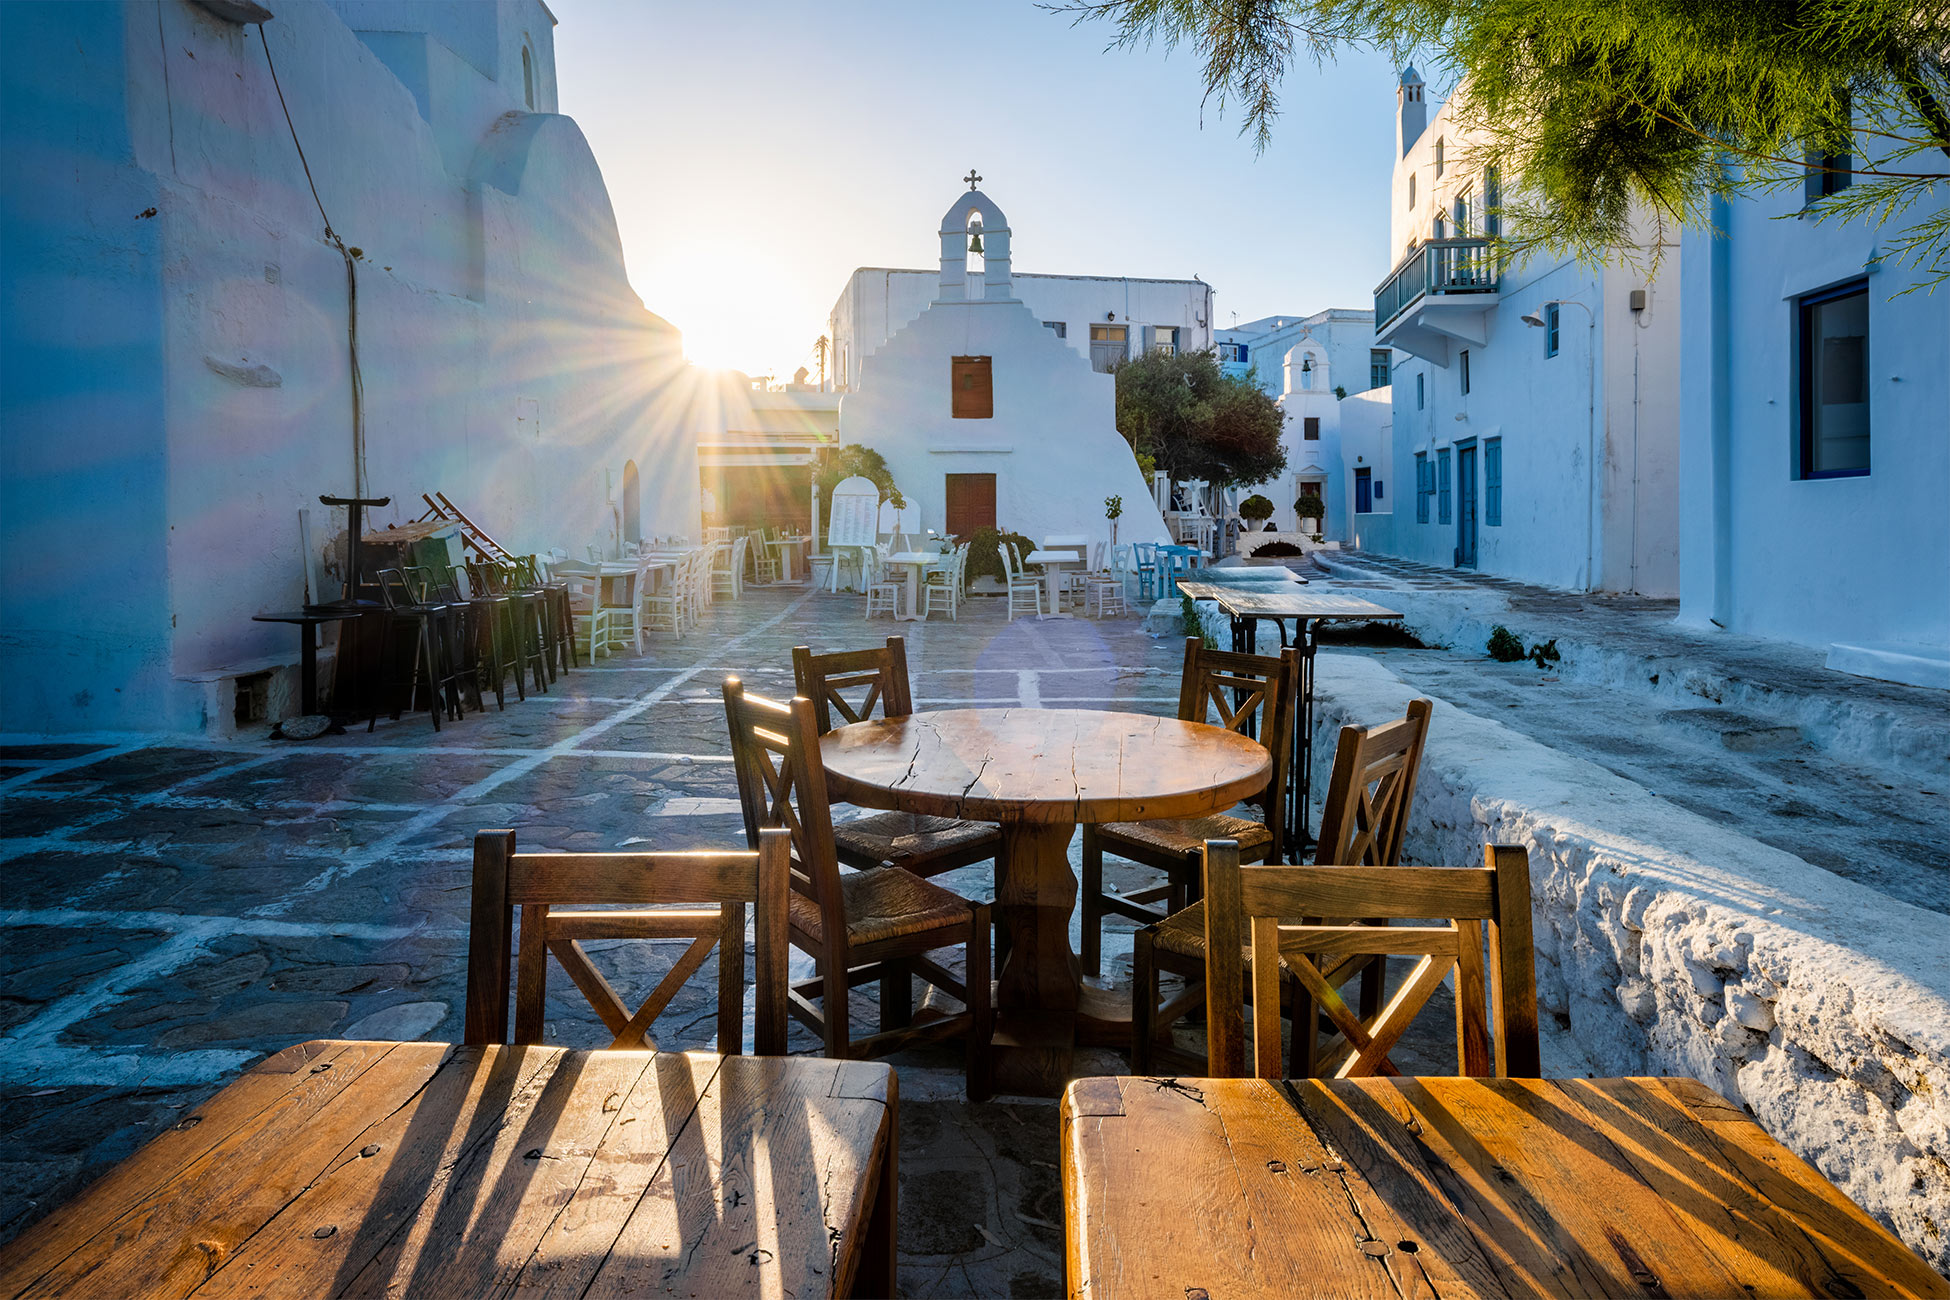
(1443, 492)
(1310, 428)
(971, 503)
(1424, 486)
(974, 388)
(1493, 482)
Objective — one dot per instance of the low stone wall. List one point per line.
(1673, 946)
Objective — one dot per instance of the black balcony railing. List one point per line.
(1439, 266)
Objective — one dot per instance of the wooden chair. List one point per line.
(924, 845)
(728, 568)
(765, 560)
(1252, 694)
(859, 926)
(542, 885)
(1361, 825)
(1264, 903)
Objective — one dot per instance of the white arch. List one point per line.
(996, 281)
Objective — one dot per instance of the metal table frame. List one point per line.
(1245, 632)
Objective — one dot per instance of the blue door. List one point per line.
(1466, 507)
(1363, 492)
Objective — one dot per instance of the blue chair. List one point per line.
(1145, 557)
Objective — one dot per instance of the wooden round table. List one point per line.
(1040, 773)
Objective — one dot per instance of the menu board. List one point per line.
(856, 508)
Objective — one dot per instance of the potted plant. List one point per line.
(1255, 510)
(1310, 508)
(1113, 510)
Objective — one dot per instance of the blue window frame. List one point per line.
(1424, 484)
(1493, 482)
(1444, 495)
(1421, 391)
(1465, 372)
(1379, 364)
(1550, 329)
(1377, 489)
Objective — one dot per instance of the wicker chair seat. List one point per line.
(884, 903)
(1185, 835)
(906, 839)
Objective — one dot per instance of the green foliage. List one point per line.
(1194, 625)
(1255, 508)
(1340, 392)
(1545, 654)
(1310, 506)
(1589, 108)
(1197, 422)
(985, 555)
(1504, 646)
(1147, 465)
(1113, 507)
(846, 462)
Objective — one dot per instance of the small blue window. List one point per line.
(1377, 489)
(1443, 494)
(1550, 329)
(1423, 483)
(1465, 372)
(1493, 482)
(1420, 392)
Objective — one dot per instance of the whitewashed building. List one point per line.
(177, 327)
(1348, 333)
(1547, 452)
(1815, 429)
(1103, 318)
(987, 418)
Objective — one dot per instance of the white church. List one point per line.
(985, 417)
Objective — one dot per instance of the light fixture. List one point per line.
(1110, 315)
(1532, 319)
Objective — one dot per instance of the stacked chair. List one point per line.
(944, 585)
(1025, 592)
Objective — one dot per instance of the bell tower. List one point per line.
(973, 216)
(1411, 111)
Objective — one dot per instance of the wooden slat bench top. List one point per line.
(434, 1170)
(1397, 1187)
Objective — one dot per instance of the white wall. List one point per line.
(1348, 333)
(1367, 442)
(1860, 559)
(878, 301)
(191, 390)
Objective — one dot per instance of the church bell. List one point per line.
(975, 241)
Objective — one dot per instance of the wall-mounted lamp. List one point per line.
(1110, 315)
(1532, 319)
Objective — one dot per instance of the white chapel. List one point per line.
(985, 417)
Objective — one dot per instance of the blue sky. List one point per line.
(757, 153)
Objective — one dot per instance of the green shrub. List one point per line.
(1504, 647)
(1310, 506)
(1545, 654)
(1255, 508)
(985, 555)
(1194, 625)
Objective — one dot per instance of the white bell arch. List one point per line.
(997, 285)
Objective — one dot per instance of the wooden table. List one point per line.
(1245, 605)
(915, 562)
(426, 1169)
(1452, 1187)
(1040, 773)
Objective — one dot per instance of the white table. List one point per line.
(915, 562)
(787, 547)
(1053, 577)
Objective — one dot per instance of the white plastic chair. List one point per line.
(1021, 585)
(883, 593)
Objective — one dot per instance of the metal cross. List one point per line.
(972, 177)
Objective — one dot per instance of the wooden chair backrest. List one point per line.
(782, 782)
(1366, 812)
(1255, 695)
(714, 889)
(1271, 904)
(882, 671)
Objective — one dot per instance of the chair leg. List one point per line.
(981, 1008)
(1091, 898)
(1144, 1000)
(896, 995)
(832, 1012)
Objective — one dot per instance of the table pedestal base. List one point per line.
(1043, 1011)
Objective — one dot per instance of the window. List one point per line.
(1377, 489)
(528, 78)
(1310, 428)
(1492, 200)
(1378, 367)
(974, 388)
(1363, 492)
(1420, 391)
(1164, 338)
(1493, 482)
(1411, 189)
(1438, 155)
(1834, 364)
(1465, 372)
(1424, 487)
(1443, 494)
(1232, 352)
(1107, 343)
(1460, 211)
(1060, 328)
(1828, 173)
(1550, 329)
(971, 503)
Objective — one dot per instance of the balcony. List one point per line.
(1441, 293)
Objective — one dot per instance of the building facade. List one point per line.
(1535, 406)
(1102, 318)
(179, 328)
(1261, 346)
(985, 417)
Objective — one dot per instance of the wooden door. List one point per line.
(971, 503)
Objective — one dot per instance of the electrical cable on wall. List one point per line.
(359, 484)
